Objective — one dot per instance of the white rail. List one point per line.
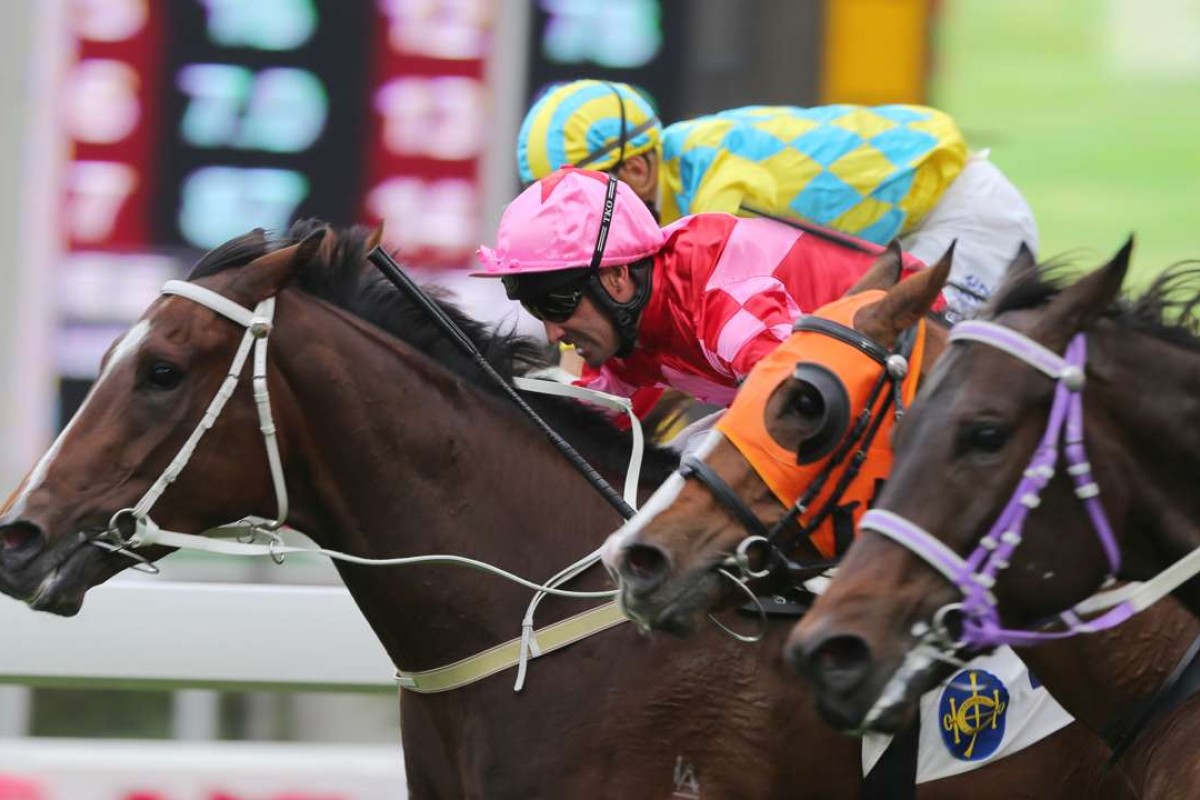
(159, 634)
(84, 769)
(168, 635)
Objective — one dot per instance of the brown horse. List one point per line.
(666, 562)
(959, 455)
(396, 446)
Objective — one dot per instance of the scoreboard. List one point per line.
(191, 121)
(639, 42)
(180, 124)
(163, 128)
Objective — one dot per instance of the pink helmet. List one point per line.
(554, 224)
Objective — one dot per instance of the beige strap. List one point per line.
(502, 656)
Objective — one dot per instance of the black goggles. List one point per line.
(557, 304)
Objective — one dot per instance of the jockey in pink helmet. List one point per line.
(692, 306)
(550, 254)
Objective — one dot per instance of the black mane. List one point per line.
(347, 280)
(1165, 310)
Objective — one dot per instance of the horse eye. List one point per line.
(987, 437)
(163, 375)
(807, 401)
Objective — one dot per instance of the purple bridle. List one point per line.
(976, 575)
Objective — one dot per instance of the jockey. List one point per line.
(874, 173)
(692, 306)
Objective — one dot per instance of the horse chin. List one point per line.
(885, 703)
(848, 713)
(678, 608)
(63, 589)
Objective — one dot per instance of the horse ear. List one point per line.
(884, 273)
(905, 303)
(375, 239)
(1078, 306)
(1021, 269)
(265, 276)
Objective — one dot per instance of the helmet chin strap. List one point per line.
(624, 316)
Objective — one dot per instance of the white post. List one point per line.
(196, 715)
(16, 703)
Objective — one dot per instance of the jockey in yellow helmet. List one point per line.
(872, 172)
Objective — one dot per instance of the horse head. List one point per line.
(891, 624)
(154, 386)
(788, 438)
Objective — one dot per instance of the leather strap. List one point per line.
(633, 475)
(846, 335)
(503, 656)
(692, 467)
(1183, 682)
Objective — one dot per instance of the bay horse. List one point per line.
(667, 555)
(392, 445)
(905, 598)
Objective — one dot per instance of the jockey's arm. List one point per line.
(738, 333)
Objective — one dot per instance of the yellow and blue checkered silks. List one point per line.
(870, 172)
(579, 124)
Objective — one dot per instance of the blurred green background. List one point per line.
(1092, 107)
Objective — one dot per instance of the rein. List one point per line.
(132, 528)
(975, 575)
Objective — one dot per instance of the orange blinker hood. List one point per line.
(745, 424)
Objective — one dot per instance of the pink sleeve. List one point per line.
(744, 321)
(603, 380)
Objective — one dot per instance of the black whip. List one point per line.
(845, 240)
(820, 231)
(392, 271)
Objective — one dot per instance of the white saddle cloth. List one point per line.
(991, 709)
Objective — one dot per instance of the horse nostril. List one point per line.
(20, 543)
(839, 663)
(644, 566)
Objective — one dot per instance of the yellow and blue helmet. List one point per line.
(586, 123)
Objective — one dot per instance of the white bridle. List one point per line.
(133, 528)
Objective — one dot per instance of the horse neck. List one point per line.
(390, 455)
(1153, 428)
(1101, 677)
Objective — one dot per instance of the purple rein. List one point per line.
(976, 575)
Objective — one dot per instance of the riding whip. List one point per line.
(391, 270)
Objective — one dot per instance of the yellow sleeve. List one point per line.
(731, 182)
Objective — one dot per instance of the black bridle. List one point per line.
(787, 533)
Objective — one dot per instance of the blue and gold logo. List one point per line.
(973, 709)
